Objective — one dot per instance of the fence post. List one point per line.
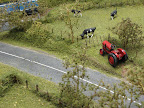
(99, 5)
(103, 38)
(60, 102)
(48, 97)
(93, 42)
(38, 16)
(110, 3)
(77, 39)
(52, 30)
(100, 38)
(97, 39)
(127, 2)
(26, 84)
(133, 2)
(61, 34)
(108, 37)
(105, 4)
(37, 88)
(83, 7)
(86, 43)
(69, 36)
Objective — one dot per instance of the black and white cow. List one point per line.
(113, 14)
(76, 12)
(86, 31)
(30, 11)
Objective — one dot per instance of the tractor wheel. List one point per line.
(102, 52)
(112, 59)
(125, 57)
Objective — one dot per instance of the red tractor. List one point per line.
(114, 55)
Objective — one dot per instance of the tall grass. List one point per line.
(92, 3)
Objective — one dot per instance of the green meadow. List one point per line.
(100, 18)
(54, 26)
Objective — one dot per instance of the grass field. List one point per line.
(99, 18)
(18, 96)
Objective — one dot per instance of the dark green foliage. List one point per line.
(52, 3)
(89, 4)
(11, 79)
(21, 27)
(14, 35)
(15, 19)
(86, 4)
(7, 82)
(129, 33)
(48, 18)
(37, 34)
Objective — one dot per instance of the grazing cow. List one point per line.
(113, 14)
(76, 12)
(35, 10)
(86, 31)
(30, 11)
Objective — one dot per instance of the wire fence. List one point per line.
(56, 100)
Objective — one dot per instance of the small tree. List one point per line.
(128, 32)
(72, 87)
(70, 22)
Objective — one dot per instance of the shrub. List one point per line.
(11, 79)
(37, 34)
(129, 33)
(8, 82)
(49, 18)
